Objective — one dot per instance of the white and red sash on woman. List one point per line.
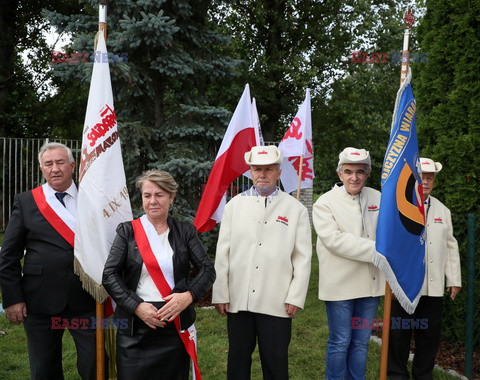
(55, 213)
(188, 336)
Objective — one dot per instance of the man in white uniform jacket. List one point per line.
(345, 219)
(442, 271)
(263, 266)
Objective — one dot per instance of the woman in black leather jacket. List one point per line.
(147, 275)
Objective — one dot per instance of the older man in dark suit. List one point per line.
(48, 296)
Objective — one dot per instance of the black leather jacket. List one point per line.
(124, 264)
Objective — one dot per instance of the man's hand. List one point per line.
(453, 290)
(291, 310)
(222, 308)
(16, 313)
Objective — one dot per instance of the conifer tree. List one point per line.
(448, 99)
(164, 60)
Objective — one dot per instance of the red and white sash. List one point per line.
(55, 213)
(151, 263)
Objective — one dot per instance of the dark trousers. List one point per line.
(44, 338)
(427, 322)
(273, 333)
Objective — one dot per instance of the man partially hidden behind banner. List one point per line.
(48, 297)
(345, 219)
(442, 270)
(148, 275)
(263, 266)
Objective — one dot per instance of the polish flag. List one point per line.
(258, 133)
(241, 135)
(296, 142)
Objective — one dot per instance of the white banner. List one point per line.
(103, 200)
(296, 142)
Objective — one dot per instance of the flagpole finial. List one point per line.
(102, 17)
(409, 18)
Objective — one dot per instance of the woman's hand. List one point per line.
(148, 314)
(176, 303)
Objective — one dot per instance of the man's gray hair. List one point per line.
(368, 169)
(54, 145)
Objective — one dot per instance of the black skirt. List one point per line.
(151, 354)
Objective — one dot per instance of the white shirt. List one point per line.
(70, 199)
(146, 288)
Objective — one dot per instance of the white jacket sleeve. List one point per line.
(220, 290)
(337, 242)
(301, 262)
(452, 265)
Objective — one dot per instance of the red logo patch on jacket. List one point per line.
(373, 208)
(282, 219)
(437, 220)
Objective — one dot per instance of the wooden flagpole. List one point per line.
(299, 183)
(408, 19)
(100, 341)
(100, 310)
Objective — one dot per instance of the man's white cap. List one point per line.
(429, 166)
(264, 155)
(354, 156)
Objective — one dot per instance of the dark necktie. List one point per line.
(60, 197)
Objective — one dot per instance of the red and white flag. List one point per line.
(256, 123)
(258, 132)
(103, 200)
(296, 142)
(240, 137)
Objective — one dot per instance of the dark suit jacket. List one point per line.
(48, 284)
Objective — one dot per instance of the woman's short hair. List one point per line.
(161, 178)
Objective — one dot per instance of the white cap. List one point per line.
(429, 166)
(354, 156)
(264, 155)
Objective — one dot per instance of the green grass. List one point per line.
(307, 349)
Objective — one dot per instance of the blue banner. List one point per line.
(400, 241)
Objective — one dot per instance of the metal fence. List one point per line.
(19, 169)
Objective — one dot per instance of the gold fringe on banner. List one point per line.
(97, 291)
